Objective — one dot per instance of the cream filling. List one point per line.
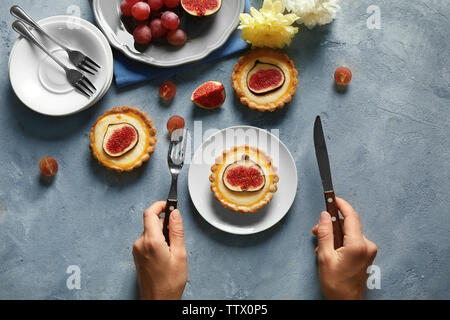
(245, 198)
(131, 156)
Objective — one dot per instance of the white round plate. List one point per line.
(224, 219)
(41, 84)
(205, 34)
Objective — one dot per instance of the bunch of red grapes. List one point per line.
(155, 19)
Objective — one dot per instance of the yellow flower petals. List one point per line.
(268, 27)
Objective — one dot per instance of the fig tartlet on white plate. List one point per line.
(123, 138)
(265, 79)
(243, 179)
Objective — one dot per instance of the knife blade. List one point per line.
(327, 183)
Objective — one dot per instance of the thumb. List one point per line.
(176, 233)
(325, 234)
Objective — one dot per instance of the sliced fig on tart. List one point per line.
(244, 175)
(123, 138)
(119, 139)
(264, 78)
(201, 8)
(243, 179)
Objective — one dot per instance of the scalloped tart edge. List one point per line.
(241, 94)
(239, 208)
(152, 139)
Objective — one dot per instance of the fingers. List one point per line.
(138, 245)
(325, 234)
(314, 232)
(176, 235)
(352, 224)
(152, 224)
(372, 249)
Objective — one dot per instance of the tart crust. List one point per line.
(243, 201)
(271, 101)
(147, 138)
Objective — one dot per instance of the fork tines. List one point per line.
(178, 146)
(92, 61)
(87, 85)
(88, 65)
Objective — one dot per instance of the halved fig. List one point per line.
(244, 175)
(119, 139)
(201, 8)
(264, 78)
(209, 95)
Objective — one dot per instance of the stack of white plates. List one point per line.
(41, 84)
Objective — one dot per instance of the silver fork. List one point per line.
(79, 59)
(175, 160)
(75, 77)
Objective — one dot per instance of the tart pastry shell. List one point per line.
(271, 101)
(258, 199)
(147, 138)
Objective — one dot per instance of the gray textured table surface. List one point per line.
(388, 140)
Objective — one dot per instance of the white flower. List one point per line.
(313, 12)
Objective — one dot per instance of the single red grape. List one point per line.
(125, 7)
(174, 123)
(177, 37)
(171, 3)
(167, 90)
(155, 4)
(48, 166)
(142, 35)
(158, 30)
(170, 20)
(140, 11)
(342, 76)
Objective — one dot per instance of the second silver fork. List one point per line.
(175, 160)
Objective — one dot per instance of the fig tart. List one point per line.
(265, 79)
(123, 138)
(243, 179)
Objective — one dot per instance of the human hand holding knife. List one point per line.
(325, 174)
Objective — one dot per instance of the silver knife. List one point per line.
(327, 183)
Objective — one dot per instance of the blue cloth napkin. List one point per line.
(128, 72)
